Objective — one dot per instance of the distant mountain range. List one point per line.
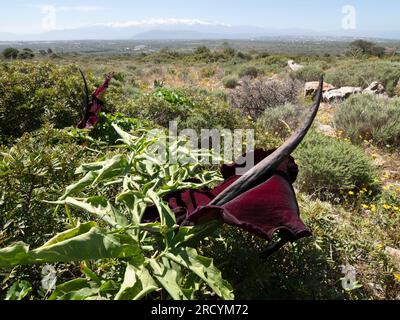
(182, 30)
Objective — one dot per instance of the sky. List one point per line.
(29, 16)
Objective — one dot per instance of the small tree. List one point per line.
(10, 53)
(367, 47)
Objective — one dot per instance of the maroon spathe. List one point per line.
(92, 111)
(264, 210)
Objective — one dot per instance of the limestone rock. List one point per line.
(341, 94)
(327, 130)
(310, 88)
(294, 66)
(394, 254)
(375, 88)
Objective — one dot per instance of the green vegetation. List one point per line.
(230, 82)
(76, 198)
(331, 166)
(366, 47)
(10, 53)
(369, 118)
(363, 73)
(281, 121)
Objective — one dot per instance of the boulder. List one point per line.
(294, 66)
(327, 130)
(310, 88)
(375, 88)
(397, 89)
(341, 94)
(394, 255)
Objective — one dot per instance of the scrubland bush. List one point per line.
(10, 53)
(230, 82)
(195, 110)
(281, 121)
(252, 98)
(32, 94)
(207, 72)
(332, 166)
(363, 73)
(251, 72)
(367, 117)
(36, 168)
(308, 73)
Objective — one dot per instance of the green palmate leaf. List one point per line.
(135, 203)
(125, 137)
(204, 269)
(99, 207)
(137, 283)
(90, 274)
(109, 286)
(108, 169)
(67, 287)
(19, 290)
(81, 294)
(168, 277)
(191, 236)
(94, 244)
(167, 217)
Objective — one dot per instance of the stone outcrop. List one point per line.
(341, 94)
(294, 66)
(394, 255)
(327, 130)
(375, 88)
(310, 88)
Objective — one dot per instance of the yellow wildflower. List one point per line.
(387, 207)
(351, 193)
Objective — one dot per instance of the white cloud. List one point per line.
(79, 9)
(160, 22)
(71, 8)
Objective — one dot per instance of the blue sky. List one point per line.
(25, 16)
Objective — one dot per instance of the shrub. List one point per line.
(208, 72)
(363, 73)
(308, 73)
(331, 167)
(367, 117)
(38, 167)
(195, 110)
(281, 121)
(26, 54)
(252, 98)
(32, 94)
(251, 72)
(230, 82)
(366, 47)
(10, 53)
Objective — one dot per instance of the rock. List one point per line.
(327, 130)
(341, 94)
(294, 66)
(397, 89)
(375, 88)
(310, 88)
(394, 254)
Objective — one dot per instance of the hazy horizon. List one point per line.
(80, 20)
